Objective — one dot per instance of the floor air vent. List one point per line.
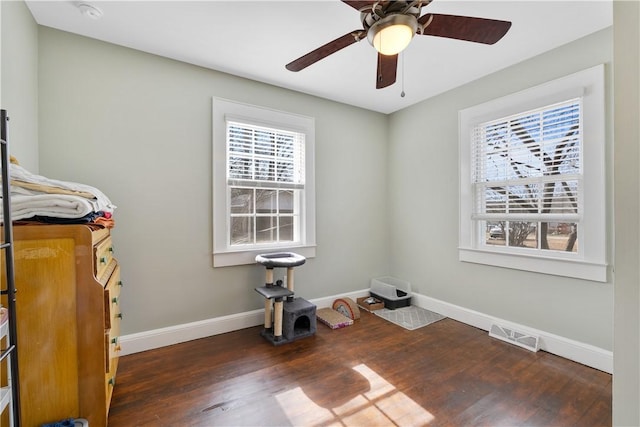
(530, 342)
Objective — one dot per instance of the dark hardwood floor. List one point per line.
(373, 373)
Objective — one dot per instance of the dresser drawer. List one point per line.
(113, 314)
(112, 285)
(103, 255)
(112, 347)
(110, 374)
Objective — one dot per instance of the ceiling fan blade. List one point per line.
(478, 30)
(325, 50)
(386, 71)
(360, 5)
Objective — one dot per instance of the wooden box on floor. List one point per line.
(379, 305)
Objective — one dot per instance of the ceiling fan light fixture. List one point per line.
(393, 33)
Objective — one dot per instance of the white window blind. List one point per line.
(259, 156)
(528, 167)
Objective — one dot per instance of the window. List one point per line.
(263, 183)
(532, 179)
(527, 178)
(265, 179)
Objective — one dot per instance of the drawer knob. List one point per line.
(112, 381)
(114, 300)
(119, 315)
(110, 249)
(120, 283)
(103, 260)
(114, 340)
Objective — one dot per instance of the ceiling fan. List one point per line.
(390, 25)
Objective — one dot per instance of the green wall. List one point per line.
(138, 127)
(19, 80)
(423, 170)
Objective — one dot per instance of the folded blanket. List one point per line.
(54, 205)
(25, 182)
(50, 190)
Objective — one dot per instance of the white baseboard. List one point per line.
(148, 340)
(586, 354)
(583, 353)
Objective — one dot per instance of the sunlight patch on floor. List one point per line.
(300, 409)
(378, 385)
(381, 405)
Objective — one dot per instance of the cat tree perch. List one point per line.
(300, 320)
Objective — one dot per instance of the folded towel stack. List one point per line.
(43, 199)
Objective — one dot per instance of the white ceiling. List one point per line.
(255, 39)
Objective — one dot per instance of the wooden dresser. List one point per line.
(68, 320)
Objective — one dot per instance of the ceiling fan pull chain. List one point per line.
(402, 93)
(379, 65)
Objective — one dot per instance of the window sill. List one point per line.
(578, 269)
(231, 258)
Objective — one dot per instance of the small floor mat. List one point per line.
(410, 317)
(332, 318)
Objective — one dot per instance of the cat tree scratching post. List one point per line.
(270, 291)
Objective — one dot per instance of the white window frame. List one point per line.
(223, 253)
(590, 263)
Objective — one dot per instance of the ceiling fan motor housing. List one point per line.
(396, 21)
(378, 12)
